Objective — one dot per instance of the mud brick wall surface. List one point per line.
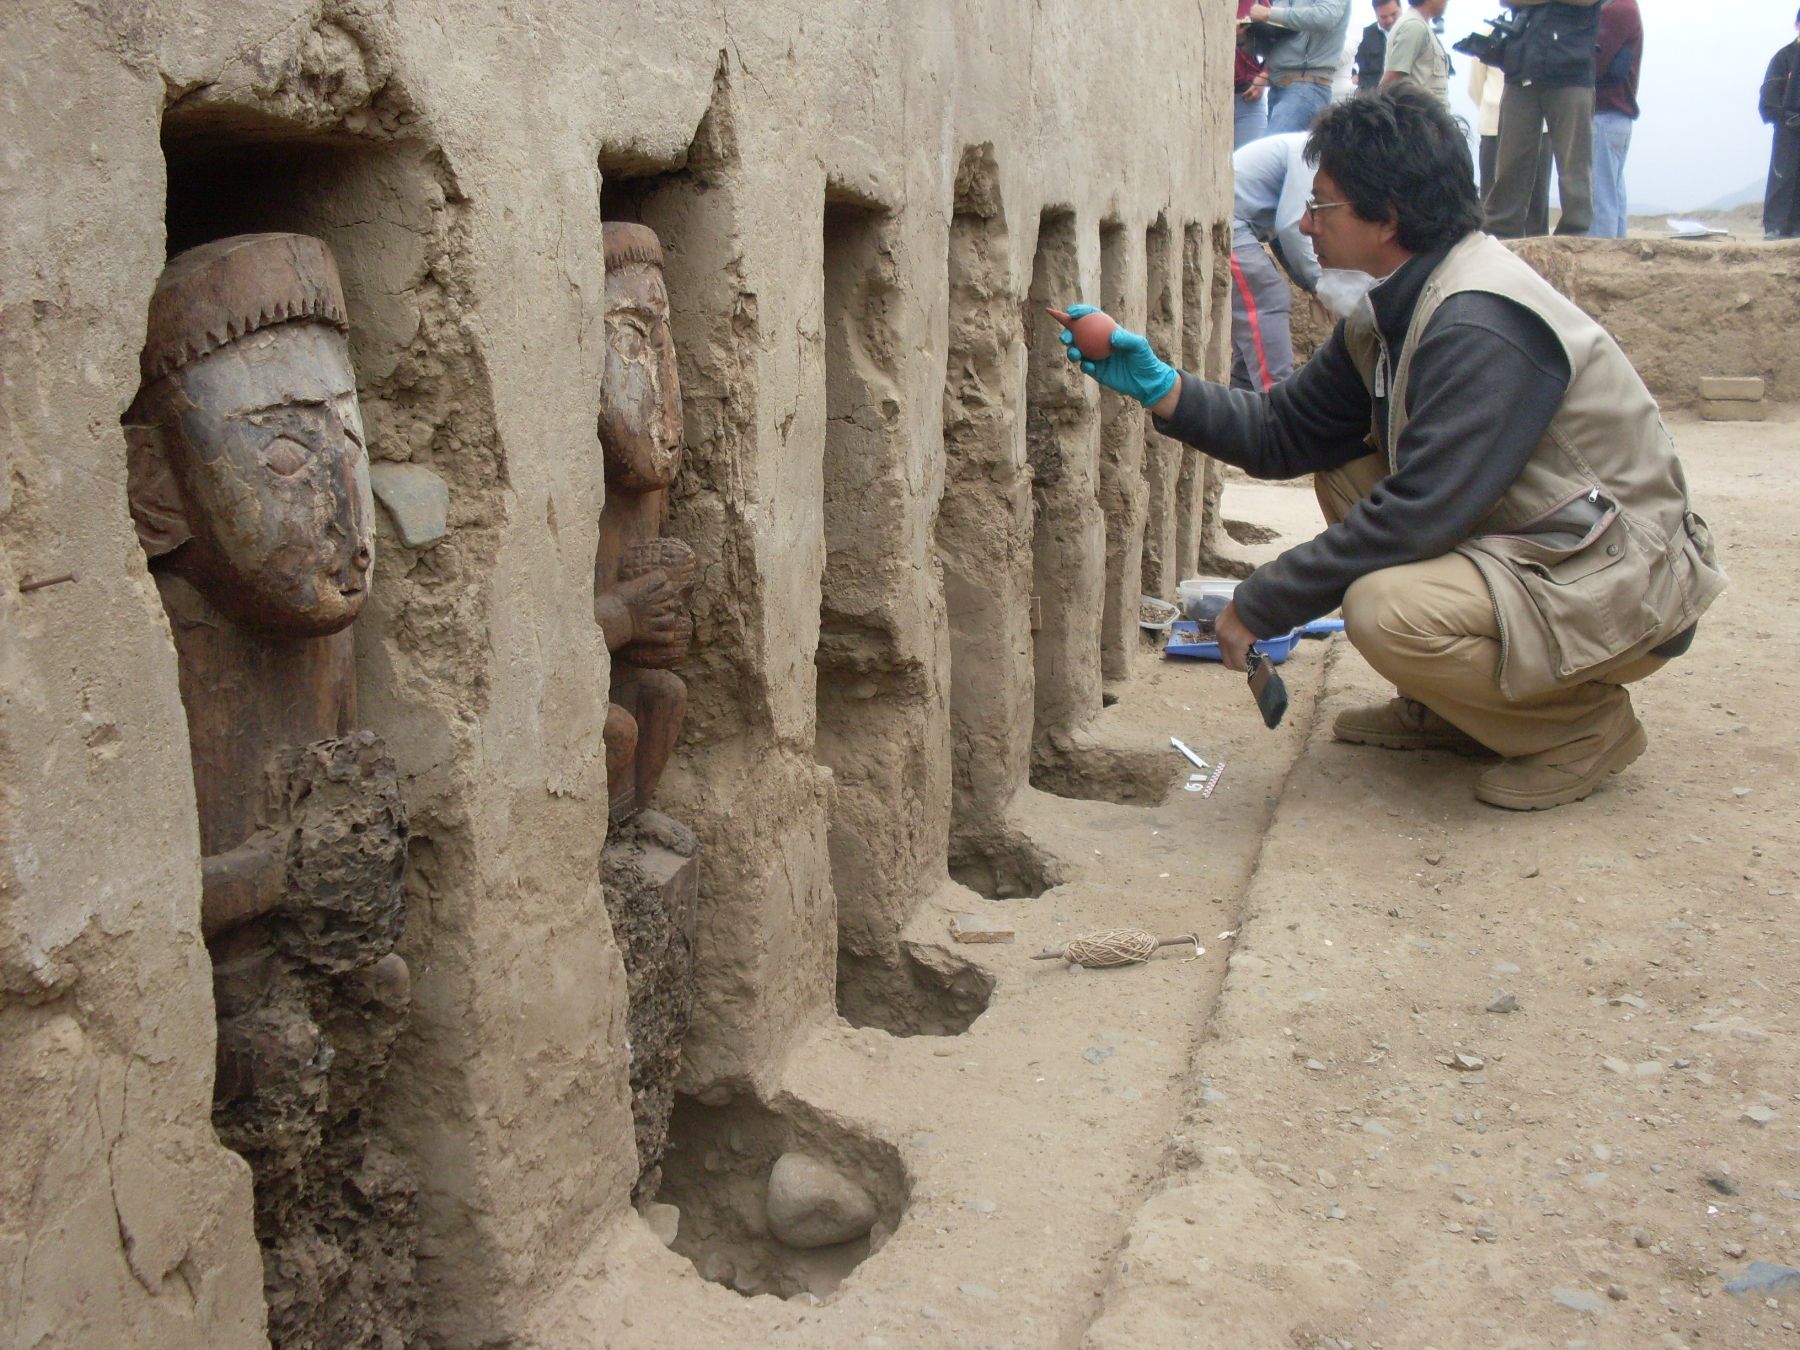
(857, 486)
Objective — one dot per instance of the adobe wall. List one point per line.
(856, 203)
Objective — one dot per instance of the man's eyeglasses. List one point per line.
(1314, 206)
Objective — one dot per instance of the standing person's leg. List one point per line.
(1261, 336)
(1484, 160)
(1430, 628)
(1569, 112)
(1537, 216)
(1515, 161)
(1250, 121)
(1781, 207)
(1612, 139)
(1293, 107)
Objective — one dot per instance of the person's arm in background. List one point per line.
(1621, 37)
(1405, 45)
(1294, 248)
(1305, 15)
(1774, 85)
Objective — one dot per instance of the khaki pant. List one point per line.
(1525, 110)
(1430, 628)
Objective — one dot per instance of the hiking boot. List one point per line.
(1527, 785)
(1403, 724)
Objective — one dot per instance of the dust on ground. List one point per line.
(1331, 1141)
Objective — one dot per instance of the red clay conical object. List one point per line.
(1092, 332)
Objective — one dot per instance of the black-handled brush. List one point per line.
(1269, 688)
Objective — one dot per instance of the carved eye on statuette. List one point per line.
(284, 456)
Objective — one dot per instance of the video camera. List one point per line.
(1490, 47)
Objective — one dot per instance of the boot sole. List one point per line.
(1619, 757)
(1400, 741)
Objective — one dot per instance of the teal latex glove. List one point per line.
(1133, 369)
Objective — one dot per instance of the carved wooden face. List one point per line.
(640, 408)
(258, 488)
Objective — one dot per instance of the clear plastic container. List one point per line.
(1203, 599)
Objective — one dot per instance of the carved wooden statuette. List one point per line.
(249, 486)
(643, 580)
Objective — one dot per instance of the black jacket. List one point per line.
(1371, 57)
(1555, 45)
(1487, 379)
(1781, 86)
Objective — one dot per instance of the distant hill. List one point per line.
(1744, 196)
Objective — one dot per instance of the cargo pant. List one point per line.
(1430, 628)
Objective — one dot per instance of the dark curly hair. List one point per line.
(1401, 156)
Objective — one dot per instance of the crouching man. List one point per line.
(1520, 546)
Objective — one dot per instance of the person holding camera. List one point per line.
(1780, 108)
(1548, 57)
(1303, 59)
(1519, 546)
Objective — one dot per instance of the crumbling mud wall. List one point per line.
(1685, 310)
(850, 201)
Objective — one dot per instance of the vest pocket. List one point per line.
(1592, 597)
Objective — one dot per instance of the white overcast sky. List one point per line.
(1699, 138)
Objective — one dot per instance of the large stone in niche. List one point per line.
(650, 869)
(249, 487)
(417, 500)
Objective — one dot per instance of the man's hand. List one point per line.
(1235, 640)
(1261, 13)
(1133, 369)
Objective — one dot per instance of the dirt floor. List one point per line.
(1277, 1144)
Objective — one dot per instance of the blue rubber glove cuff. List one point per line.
(1133, 369)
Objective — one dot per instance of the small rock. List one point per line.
(1466, 1197)
(1594, 1180)
(1505, 968)
(1317, 1066)
(976, 1291)
(1211, 1096)
(1641, 1238)
(1629, 1001)
(416, 498)
(1336, 1212)
(1761, 1278)
(1616, 1292)
(1530, 872)
(664, 1221)
(1649, 1068)
(1579, 1300)
(1735, 1250)
(1613, 1064)
(975, 928)
(812, 1205)
(1758, 1115)
(1732, 1029)
(1463, 1062)
(1327, 1179)
(1503, 1002)
(1435, 859)
(979, 1205)
(1723, 1184)
(1376, 1128)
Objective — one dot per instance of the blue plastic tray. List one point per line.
(1184, 640)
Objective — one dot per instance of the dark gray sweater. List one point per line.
(1486, 380)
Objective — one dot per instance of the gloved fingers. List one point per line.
(1087, 367)
(1082, 311)
(1065, 337)
(1124, 340)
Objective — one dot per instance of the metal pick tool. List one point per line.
(1207, 779)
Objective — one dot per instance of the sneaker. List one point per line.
(1525, 785)
(1403, 724)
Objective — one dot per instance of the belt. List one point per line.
(1284, 80)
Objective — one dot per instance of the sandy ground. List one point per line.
(1274, 1144)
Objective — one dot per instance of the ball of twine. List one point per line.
(1114, 947)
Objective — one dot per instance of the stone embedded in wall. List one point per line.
(417, 499)
(249, 489)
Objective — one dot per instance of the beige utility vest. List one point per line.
(1593, 553)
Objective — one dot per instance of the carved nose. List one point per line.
(361, 559)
